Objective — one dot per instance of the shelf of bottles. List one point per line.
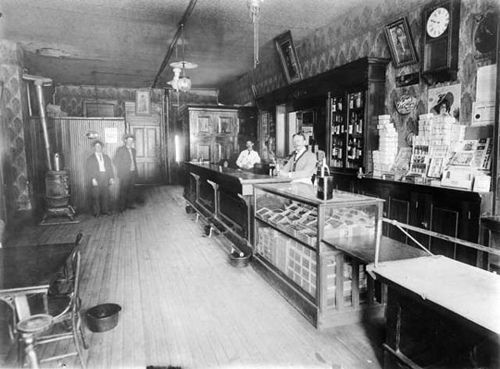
(355, 126)
(338, 131)
(347, 116)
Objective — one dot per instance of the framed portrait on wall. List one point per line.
(143, 102)
(288, 57)
(401, 43)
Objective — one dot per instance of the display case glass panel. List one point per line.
(297, 233)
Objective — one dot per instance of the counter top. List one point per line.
(468, 291)
(306, 192)
(241, 175)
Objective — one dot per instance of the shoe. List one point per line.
(107, 213)
(131, 207)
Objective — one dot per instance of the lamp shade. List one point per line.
(184, 84)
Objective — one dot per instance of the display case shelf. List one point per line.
(295, 239)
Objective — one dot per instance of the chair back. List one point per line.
(76, 288)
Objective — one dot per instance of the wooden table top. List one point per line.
(31, 266)
(470, 292)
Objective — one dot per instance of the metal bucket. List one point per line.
(239, 261)
(102, 318)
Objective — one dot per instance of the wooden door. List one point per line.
(148, 142)
(147, 146)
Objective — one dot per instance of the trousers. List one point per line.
(126, 195)
(100, 195)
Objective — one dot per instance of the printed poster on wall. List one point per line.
(111, 135)
(445, 100)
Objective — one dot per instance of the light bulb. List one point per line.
(184, 84)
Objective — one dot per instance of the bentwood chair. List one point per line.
(64, 311)
(67, 323)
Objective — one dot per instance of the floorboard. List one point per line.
(184, 305)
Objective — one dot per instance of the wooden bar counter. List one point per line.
(224, 196)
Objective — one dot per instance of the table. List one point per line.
(438, 310)
(27, 270)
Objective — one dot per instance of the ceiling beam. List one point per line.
(173, 44)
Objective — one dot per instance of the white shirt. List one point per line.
(247, 159)
(100, 161)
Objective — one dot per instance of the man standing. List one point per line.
(100, 175)
(248, 158)
(126, 167)
(302, 164)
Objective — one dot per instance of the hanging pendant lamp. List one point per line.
(181, 82)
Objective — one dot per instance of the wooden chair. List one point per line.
(66, 317)
(64, 313)
(29, 328)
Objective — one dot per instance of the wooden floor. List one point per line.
(184, 305)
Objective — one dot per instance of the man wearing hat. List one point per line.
(100, 175)
(126, 168)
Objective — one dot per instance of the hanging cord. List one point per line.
(255, 14)
(183, 51)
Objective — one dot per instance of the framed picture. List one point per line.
(401, 43)
(288, 57)
(143, 102)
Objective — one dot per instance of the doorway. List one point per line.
(147, 146)
(149, 142)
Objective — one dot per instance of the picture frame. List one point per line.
(401, 43)
(288, 57)
(143, 102)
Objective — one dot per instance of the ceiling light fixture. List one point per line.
(183, 82)
(254, 7)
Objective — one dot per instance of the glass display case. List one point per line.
(296, 235)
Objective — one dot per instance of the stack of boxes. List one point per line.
(440, 133)
(424, 126)
(301, 267)
(384, 157)
(289, 256)
(267, 241)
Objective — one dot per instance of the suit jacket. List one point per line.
(92, 167)
(305, 166)
(122, 161)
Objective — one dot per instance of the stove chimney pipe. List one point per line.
(39, 83)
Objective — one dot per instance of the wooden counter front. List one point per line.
(224, 196)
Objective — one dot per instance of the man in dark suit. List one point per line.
(126, 167)
(100, 175)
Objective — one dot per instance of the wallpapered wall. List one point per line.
(12, 112)
(360, 33)
(71, 98)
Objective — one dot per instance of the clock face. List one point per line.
(437, 23)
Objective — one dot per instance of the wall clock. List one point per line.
(441, 23)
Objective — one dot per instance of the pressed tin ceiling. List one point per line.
(123, 42)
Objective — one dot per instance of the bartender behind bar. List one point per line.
(248, 158)
(302, 163)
